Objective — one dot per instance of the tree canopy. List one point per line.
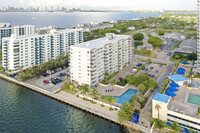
(138, 36)
(155, 41)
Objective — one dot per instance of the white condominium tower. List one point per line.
(6, 30)
(33, 49)
(198, 36)
(90, 60)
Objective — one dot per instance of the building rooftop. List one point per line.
(161, 97)
(187, 46)
(189, 43)
(53, 31)
(180, 103)
(101, 41)
(177, 78)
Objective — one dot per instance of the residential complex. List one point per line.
(6, 30)
(90, 60)
(33, 49)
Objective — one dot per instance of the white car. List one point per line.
(134, 69)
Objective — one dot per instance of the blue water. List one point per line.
(126, 96)
(62, 19)
(26, 111)
(195, 84)
(194, 99)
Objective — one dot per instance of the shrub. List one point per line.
(138, 43)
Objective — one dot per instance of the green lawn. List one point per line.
(70, 91)
(153, 55)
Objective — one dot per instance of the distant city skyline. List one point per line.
(107, 5)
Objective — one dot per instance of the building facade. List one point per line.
(6, 30)
(198, 36)
(33, 49)
(90, 60)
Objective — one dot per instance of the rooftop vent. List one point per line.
(110, 36)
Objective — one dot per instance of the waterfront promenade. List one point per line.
(72, 100)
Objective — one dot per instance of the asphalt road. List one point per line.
(168, 46)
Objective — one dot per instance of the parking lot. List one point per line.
(39, 81)
(126, 71)
(154, 71)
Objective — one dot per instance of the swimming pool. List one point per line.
(126, 96)
(194, 99)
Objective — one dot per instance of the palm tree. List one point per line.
(175, 128)
(192, 131)
(158, 124)
(103, 98)
(111, 99)
(112, 82)
(126, 112)
(94, 93)
(85, 90)
(106, 74)
(157, 107)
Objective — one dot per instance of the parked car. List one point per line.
(53, 81)
(156, 76)
(143, 68)
(138, 65)
(121, 79)
(156, 71)
(151, 67)
(160, 65)
(145, 73)
(45, 74)
(146, 69)
(152, 76)
(63, 74)
(134, 69)
(46, 81)
(149, 74)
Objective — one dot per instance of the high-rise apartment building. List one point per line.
(198, 36)
(90, 60)
(6, 30)
(33, 49)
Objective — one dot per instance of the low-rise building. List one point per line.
(33, 49)
(186, 47)
(94, 26)
(178, 109)
(90, 60)
(175, 36)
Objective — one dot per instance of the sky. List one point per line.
(107, 4)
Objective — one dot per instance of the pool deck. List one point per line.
(179, 102)
(116, 90)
